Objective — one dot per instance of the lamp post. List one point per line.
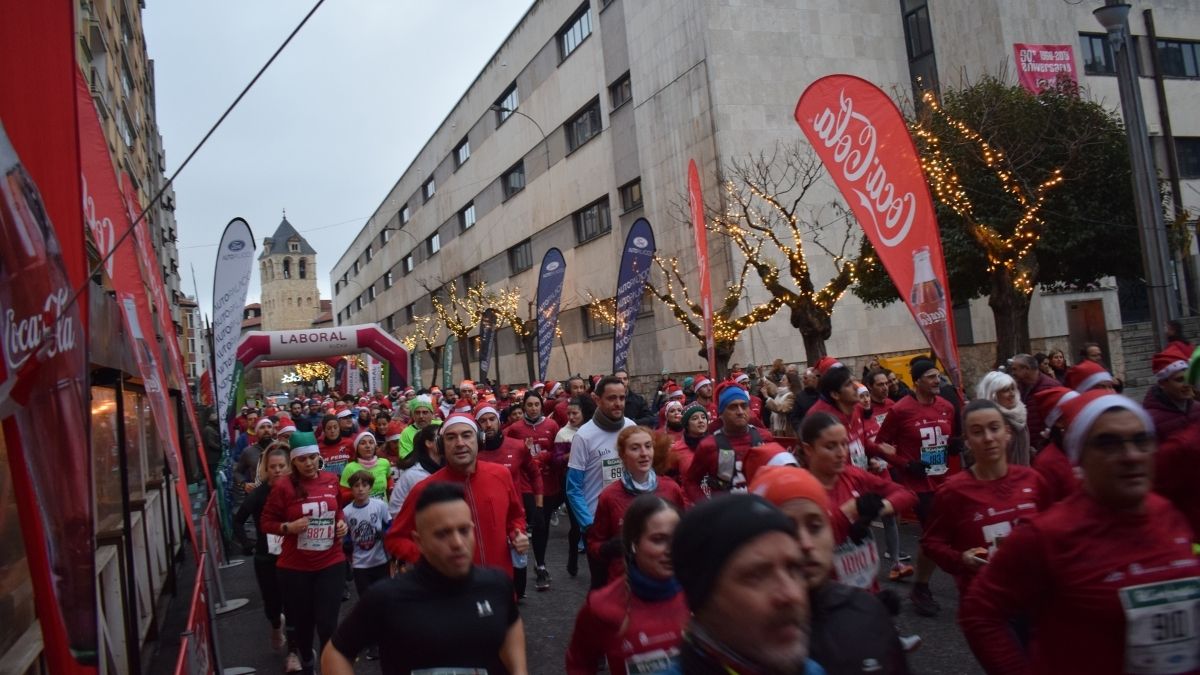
(1114, 16)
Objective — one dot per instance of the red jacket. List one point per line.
(1064, 571)
(968, 513)
(614, 501)
(336, 455)
(858, 564)
(1169, 419)
(496, 509)
(874, 417)
(701, 479)
(1034, 417)
(320, 505)
(918, 430)
(630, 633)
(1177, 473)
(861, 447)
(542, 435)
(514, 456)
(1052, 463)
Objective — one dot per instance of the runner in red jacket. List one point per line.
(717, 465)
(839, 398)
(977, 509)
(495, 504)
(635, 447)
(635, 622)
(515, 455)
(1051, 462)
(1107, 577)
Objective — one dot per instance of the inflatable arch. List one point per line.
(287, 347)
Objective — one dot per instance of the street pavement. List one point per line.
(549, 617)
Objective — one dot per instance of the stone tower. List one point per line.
(290, 300)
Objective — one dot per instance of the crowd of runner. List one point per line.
(728, 527)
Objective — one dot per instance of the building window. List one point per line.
(405, 215)
(287, 268)
(408, 313)
(466, 217)
(507, 103)
(513, 180)
(917, 32)
(389, 279)
(429, 189)
(584, 126)
(294, 246)
(520, 257)
(357, 303)
(389, 324)
(592, 221)
(621, 91)
(577, 30)
(462, 153)
(1179, 59)
(384, 235)
(471, 278)
(433, 244)
(1097, 54)
(370, 253)
(355, 268)
(303, 265)
(1188, 150)
(647, 306)
(593, 325)
(371, 293)
(407, 263)
(631, 195)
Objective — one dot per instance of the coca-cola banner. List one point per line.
(231, 279)
(700, 233)
(862, 139)
(551, 275)
(636, 258)
(1044, 66)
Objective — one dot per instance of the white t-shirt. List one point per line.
(366, 526)
(594, 452)
(411, 476)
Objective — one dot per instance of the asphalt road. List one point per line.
(549, 618)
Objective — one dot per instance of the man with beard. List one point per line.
(635, 405)
(742, 571)
(512, 454)
(448, 401)
(576, 386)
(246, 470)
(704, 395)
(718, 465)
(420, 409)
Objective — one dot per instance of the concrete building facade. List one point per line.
(587, 115)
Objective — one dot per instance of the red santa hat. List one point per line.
(674, 391)
(462, 406)
(1087, 374)
(458, 418)
(394, 431)
(1080, 415)
(553, 388)
(827, 362)
(286, 426)
(1051, 400)
(700, 381)
(537, 385)
(485, 408)
(739, 377)
(344, 412)
(673, 405)
(1169, 361)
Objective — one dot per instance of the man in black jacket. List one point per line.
(635, 406)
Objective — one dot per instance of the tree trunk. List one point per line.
(530, 339)
(1010, 313)
(815, 327)
(437, 361)
(464, 353)
(722, 352)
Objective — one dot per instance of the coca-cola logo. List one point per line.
(25, 335)
(103, 232)
(927, 319)
(854, 140)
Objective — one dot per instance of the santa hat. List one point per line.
(827, 362)
(394, 431)
(286, 426)
(363, 400)
(458, 418)
(700, 381)
(553, 387)
(343, 413)
(766, 455)
(1169, 361)
(1051, 400)
(303, 443)
(739, 377)
(271, 410)
(673, 405)
(261, 421)
(421, 401)
(674, 392)
(466, 383)
(1080, 415)
(1087, 374)
(537, 385)
(483, 409)
(361, 435)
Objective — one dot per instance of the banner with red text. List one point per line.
(861, 137)
(1042, 67)
(700, 232)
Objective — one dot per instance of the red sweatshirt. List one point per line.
(861, 447)
(858, 564)
(1052, 463)
(873, 418)
(514, 456)
(968, 513)
(614, 501)
(320, 548)
(633, 635)
(336, 455)
(700, 481)
(919, 432)
(542, 435)
(1065, 570)
(1177, 473)
(496, 509)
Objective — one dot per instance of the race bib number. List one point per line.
(858, 454)
(612, 469)
(318, 536)
(1160, 627)
(856, 565)
(995, 533)
(652, 663)
(274, 544)
(933, 450)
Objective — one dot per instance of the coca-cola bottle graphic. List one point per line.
(929, 305)
(44, 369)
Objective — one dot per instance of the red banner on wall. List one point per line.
(696, 203)
(1044, 66)
(861, 137)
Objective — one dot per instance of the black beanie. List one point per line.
(920, 367)
(712, 532)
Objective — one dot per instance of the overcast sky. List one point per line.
(327, 130)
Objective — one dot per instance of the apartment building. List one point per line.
(588, 113)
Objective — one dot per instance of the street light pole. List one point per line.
(1114, 16)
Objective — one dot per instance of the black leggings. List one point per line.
(573, 537)
(364, 577)
(538, 520)
(311, 600)
(268, 586)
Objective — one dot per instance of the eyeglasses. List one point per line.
(1112, 445)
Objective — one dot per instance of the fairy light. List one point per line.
(311, 372)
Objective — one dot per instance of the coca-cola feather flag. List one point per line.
(861, 137)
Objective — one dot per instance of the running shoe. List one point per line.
(554, 518)
(277, 638)
(904, 557)
(910, 643)
(900, 571)
(292, 663)
(923, 602)
(543, 579)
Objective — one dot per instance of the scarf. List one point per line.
(650, 590)
(635, 488)
(532, 422)
(1016, 415)
(367, 463)
(607, 424)
(675, 426)
(692, 442)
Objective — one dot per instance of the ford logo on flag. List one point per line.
(640, 242)
(237, 245)
(551, 266)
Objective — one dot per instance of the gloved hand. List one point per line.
(869, 505)
(916, 468)
(860, 530)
